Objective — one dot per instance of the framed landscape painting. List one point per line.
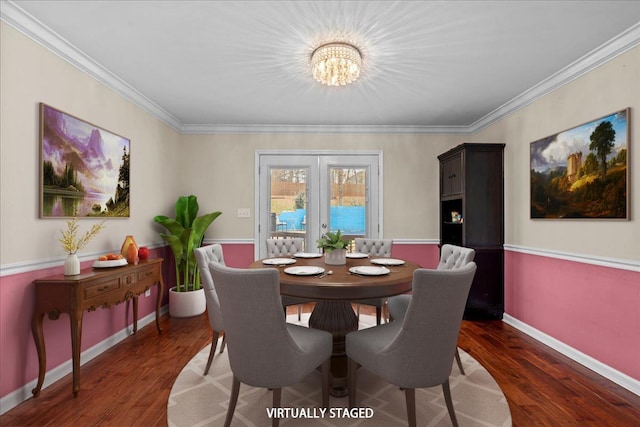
(84, 168)
(582, 172)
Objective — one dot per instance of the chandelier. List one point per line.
(336, 64)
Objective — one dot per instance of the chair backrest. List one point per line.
(374, 247)
(204, 256)
(284, 247)
(262, 353)
(420, 355)
(452, 256)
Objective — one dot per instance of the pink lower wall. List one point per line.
(19, 362)
(593, 309)
(238, 255)
(424, 255)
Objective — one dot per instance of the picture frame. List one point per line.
(84, 169)
(582, 172)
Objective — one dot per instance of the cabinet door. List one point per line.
(452, 176)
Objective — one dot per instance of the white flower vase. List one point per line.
(71, 265)
(336, 257)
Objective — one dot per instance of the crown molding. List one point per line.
(16, 17)
(28, 25)
(600, 55)
(201, 129)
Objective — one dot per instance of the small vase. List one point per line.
(129, 250)
(71, 265)
(336, 257)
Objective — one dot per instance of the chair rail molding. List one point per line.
(42, 263)
(622, 264)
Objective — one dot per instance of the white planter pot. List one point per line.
(336, 257)
(186, 304)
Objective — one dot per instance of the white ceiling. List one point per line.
(428, 65)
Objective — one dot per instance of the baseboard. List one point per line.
(18, 396)
(596, 366)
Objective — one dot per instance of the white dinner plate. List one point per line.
(387, 261)
(307, 255)
(357, 255)
(110, 263)
(304, 270)
(370, 271)
(279, 261)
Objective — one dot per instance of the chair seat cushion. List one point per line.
(398, 305)
(365, 345)
(312, 341)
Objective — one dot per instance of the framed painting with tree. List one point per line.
(582, 172)
(84, 168)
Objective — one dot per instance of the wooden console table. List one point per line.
(90, 289)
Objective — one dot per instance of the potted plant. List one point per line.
(186, 233)
(334, 247)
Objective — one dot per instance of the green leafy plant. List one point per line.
(331, 241)
(186, 233)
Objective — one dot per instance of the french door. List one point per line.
(306, 194)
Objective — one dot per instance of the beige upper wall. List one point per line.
(411, 168)
(609, 88)
(220, 170)
(31, 74)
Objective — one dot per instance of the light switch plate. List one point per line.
(244, 213)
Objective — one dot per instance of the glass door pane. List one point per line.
(348, 201)
(305, 194)
(288, 201)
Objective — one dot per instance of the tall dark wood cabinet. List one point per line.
(472, 215)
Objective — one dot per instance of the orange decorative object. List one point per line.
(129, 250)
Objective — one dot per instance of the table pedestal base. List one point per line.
(338, 318)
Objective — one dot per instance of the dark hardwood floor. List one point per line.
(130, 383)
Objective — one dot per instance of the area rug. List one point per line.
(198, 400)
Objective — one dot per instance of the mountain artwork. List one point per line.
(85, 169)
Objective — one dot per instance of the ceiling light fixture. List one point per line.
(336, 64)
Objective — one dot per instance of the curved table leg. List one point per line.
(159, 302)
(75, 317)
(338, 318)
(38, 337)
(135, 314)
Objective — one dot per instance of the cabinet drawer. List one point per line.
(101, 288)
(147, 274)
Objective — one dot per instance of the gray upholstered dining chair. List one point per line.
(374, 248)
(264, 350)
(417, 351)
(286, 248)
(204, 256)
(451, 257)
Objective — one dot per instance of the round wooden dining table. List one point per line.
(333, 293)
